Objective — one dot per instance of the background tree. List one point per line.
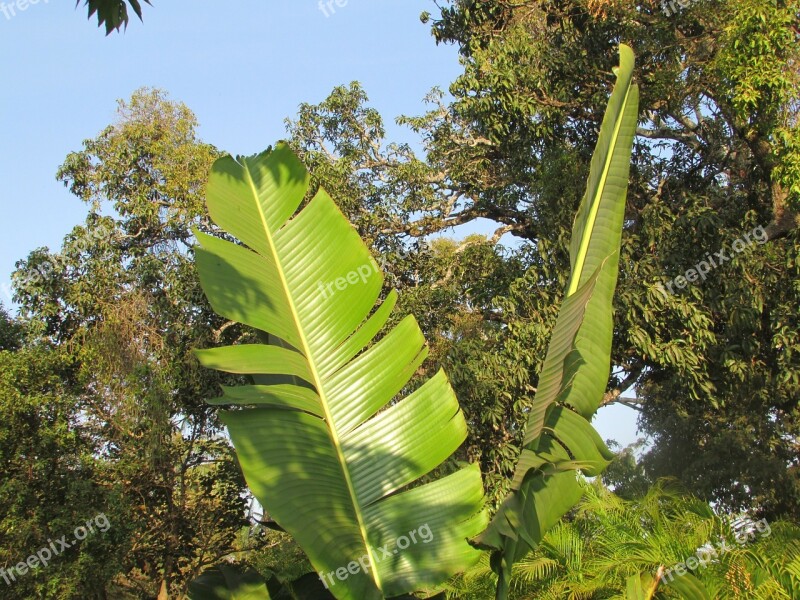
(122, 301)
(10, 331)
(716, 364)
(625, 475)
(49, 482)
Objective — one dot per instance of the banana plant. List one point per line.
(559, 439)
(325, 441)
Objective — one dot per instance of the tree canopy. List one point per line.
(713, 363)
(120, 302)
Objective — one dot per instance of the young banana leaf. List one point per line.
(559, 439)
(324, 443)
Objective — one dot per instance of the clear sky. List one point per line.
(241, 66)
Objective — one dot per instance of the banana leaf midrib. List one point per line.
(306, 351)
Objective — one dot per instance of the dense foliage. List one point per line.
(103, 403)
(715, 364)
(116, 313)
(607, 540)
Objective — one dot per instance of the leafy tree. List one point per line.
(717, 363)
(10, 331)
(625, 475)
(49, 484)
(121, 299)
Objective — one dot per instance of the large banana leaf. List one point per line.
(559, 439)
(324, 442)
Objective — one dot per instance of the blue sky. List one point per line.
(241, 66)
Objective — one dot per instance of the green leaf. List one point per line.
(641, 586)
(634, 588)
(112, 13)
(229, 582)
(688, 587)
(559, 439)
(326, 444)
